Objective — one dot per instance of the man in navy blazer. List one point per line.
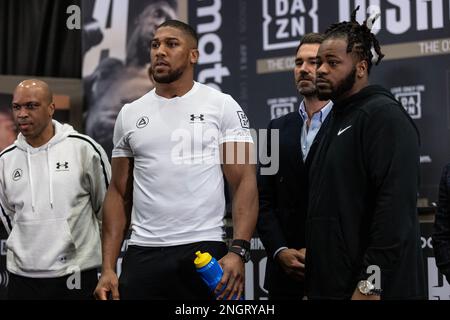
(283, 196)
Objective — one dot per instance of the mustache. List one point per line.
(321, 79)
(160, 61)
(304, 76)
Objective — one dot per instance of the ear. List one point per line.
(194, 55)
(51, 109)
(361, 68)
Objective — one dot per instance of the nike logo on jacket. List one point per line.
(341, 131)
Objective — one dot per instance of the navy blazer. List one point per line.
(283, 200)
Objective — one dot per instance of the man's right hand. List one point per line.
(108, 283)
(293, 262)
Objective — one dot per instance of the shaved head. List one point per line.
(33, 110)
(36, 84)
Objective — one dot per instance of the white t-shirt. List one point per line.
(178, 195)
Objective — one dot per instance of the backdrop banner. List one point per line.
(247, 49)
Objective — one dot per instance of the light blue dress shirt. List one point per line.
(309, 133)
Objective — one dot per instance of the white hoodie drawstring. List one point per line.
(30, 176)
(50, 180)
(61, 133)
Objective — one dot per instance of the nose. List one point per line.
(22, 113)
(303, 68)
(322, 70)
(160, 51)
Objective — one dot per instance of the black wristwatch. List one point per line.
(242, 252)
(241, 248)
(241, 243)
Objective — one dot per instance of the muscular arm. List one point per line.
(116, 220)
(241, 176)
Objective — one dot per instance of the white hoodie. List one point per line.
(51, 200)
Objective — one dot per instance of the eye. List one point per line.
(298, 63)
(16, 107)
(172, 44)
(31, 106)
(333, 63)
(154, 45)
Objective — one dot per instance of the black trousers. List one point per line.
(166, 273)
(62, 288)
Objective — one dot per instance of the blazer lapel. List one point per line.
(294, 133)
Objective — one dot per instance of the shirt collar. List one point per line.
(323, 113)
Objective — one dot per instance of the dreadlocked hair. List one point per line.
(359, 36)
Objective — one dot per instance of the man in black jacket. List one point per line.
(441, 232)
(362, 236)
(283, 195)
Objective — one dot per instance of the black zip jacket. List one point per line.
(362, 203)
(441, 232)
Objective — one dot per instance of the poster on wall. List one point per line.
(116, 37)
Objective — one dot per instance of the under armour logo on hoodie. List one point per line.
(62, 166)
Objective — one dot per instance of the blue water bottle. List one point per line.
(209, 269)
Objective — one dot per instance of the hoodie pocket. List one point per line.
(41, 245)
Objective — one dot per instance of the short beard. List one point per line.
(346, 85)
(342, 87)
(171, 77)
(308, 93)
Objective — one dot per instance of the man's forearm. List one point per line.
(114, 228)
(245, 208)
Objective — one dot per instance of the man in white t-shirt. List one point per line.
(172, 148)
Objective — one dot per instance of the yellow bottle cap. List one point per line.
(202, 259)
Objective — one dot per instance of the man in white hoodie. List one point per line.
(52, 184)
